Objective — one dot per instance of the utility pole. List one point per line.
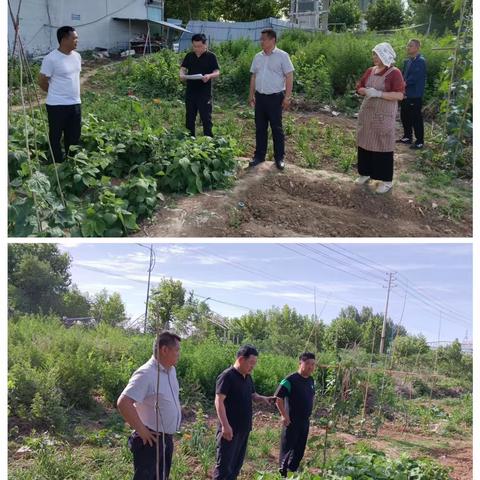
(384, 327)
(150, 268)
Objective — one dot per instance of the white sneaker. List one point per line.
(362, 179)
(384, 187)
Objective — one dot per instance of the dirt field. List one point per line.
(300, 202)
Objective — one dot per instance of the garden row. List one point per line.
(113, 180)
(52, 369)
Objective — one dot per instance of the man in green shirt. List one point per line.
(295, 396)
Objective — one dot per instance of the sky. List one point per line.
(431, 283)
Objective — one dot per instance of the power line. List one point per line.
(329, 247)
(326, 264)
(119, 275)
(341, 261)
(271, 277)
(428, 301)
(436, 302)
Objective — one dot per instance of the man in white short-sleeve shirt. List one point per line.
(139, 407)
(271, 87)
(60, 78)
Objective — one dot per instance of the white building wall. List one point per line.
(93, 20)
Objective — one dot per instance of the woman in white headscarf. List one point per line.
(382, 86)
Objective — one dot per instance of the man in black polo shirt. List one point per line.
(198, 97)
(295, 396)
(234, 393)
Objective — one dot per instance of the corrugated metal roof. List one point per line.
(159, 22)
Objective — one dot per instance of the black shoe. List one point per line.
(254, 162)
(282, 472)
(280, 164)
(405, 140)
(416, 146)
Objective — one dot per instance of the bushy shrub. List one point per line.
(235, 58)
(34, 395)
(202, 363)
(270, 370)
(154, 76)
(312, 77)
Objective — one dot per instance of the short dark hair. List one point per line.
(306, 356)
(416, 42)
(246, 351)
(165, 339)
(63, 32)
(199, 37)
(270, 33)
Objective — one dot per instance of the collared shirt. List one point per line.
(415, 75)
(142, 388)
(64, 77)
(204, 64)
(270, 71)
(298, 393)
(238, 391)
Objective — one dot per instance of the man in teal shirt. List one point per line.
(295, 396)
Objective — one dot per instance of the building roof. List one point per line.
(159, 22)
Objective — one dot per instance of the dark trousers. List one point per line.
(376, 165)
(201, 104)
(145, 457)
(268, 110)
(64, 120)
(293, 441)
(412, 118)
(230, 455)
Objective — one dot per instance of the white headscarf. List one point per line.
(386, 53)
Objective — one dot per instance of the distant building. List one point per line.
(364, 4)
(310, 14)
(84, 321)
(105, 24)
(466, 345)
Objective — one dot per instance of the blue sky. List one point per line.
(437, 277)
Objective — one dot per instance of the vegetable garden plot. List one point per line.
(135, 154)
(403, 434)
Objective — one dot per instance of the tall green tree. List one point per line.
(166, 304)
(344, 11)
(343, 332)
(240, 10)
(38, 276)
(108, 309)
(441, 14)
(385, 15)
(74, 303)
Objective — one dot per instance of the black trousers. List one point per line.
(230, 455)
(268, 110)
(64, 120)
(293, 441)
(412, 118)
(376, 165)
(201, 104)
(145, 457)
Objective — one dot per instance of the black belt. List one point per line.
(269, 94)
(167, 435)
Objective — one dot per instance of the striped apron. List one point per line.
(376, 119)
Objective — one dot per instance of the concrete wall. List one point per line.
(93, 20)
